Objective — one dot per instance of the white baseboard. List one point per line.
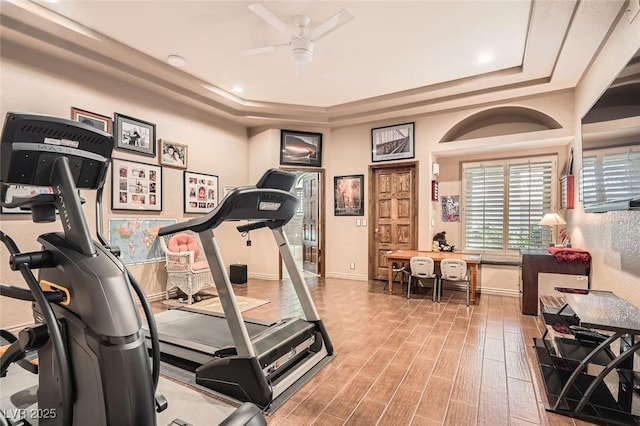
(158, 296)
(269, 277)
(499, 291)
(355, 277)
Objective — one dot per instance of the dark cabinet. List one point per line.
(535, 261)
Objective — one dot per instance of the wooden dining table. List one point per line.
(403, 256)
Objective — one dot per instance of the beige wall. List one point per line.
(216, 147)
(611, 238)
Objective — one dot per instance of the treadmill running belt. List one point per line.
(177, 325)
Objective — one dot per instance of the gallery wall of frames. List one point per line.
(137, 185)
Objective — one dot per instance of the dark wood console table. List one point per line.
(535, 261)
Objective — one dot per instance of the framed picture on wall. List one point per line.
(348, 195)
(136, 186)
(132, 134)
(173, 154)
(138, 239)
(101, 122)
(450, 208)
(393, 142)
(201, 192)
(23, 191)
(300, 148)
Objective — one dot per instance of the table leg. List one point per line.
(390, 277)
(474, 283)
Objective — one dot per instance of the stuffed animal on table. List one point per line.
(441, 241)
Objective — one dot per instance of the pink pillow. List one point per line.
(183, 242)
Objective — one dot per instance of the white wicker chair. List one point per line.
(187, 267)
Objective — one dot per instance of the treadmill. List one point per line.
(244, 359)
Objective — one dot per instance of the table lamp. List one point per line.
(552, 219)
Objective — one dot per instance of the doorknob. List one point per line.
(376, 230)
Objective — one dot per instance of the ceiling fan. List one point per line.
(302, 42)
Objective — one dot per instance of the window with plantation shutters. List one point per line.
(610, 175)
(530, 197)
(483, 206)
(503, 201)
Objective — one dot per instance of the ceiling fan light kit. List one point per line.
(301, 50)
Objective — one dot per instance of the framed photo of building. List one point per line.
(173, 154)
(300, 148)
(101, 122)
(201, 192)
(393, 142)
(348, 195)
(135, 135)
(136, 186)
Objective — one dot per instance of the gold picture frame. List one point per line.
(173, 154)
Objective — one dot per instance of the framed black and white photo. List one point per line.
(348, 195)
(132, 134)
(173, 154)
(201, 192)
(300, 148)
(101, 122)
(393, 142)
(136, 186)
(23, 191)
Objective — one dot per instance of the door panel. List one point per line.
(393, 214)
(310, 207)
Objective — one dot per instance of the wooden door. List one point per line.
(393, 220)
(310, 224)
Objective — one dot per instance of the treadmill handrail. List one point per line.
(274, 207)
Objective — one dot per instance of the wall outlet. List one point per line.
(352, 265)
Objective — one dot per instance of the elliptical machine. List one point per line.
(93, 361)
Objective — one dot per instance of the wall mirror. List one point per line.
(610, 174)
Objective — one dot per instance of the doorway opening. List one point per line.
(305, 231)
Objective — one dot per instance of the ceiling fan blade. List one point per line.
(263, 49)
(331, 24)
(272, 19)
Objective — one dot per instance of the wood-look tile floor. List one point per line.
(412, 361)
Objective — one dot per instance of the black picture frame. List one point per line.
(135, 186)
(348, 195)
(201, 192)
(132, 134)
(393, 142)
(300, 148)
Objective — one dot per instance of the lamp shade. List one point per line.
(552, 219)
